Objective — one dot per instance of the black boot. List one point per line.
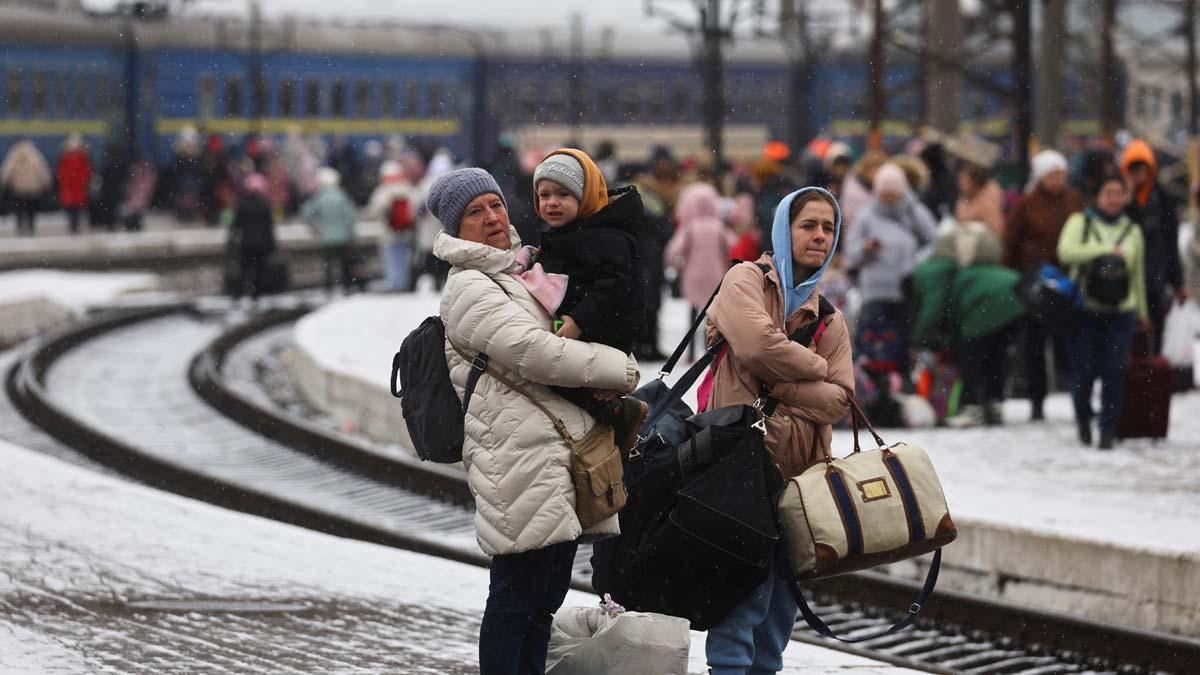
(1106, 440)
(1037, 414)
(1085, 431)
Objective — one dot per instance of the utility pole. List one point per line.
(711, 31)
(575, 103)
(255, 82)
(713, 75)
(942, 79)
(1051, 71)
(1109, 110)
(1193, 110)
(878, 101)
(1023, 80)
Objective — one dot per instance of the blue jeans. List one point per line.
(525, 591)
(752, 638)
(397, 265)
(1100, 348)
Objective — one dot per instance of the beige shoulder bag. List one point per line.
(596, 468)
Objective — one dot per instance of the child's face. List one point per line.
(556, 205)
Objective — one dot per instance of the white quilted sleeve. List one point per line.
(481, 317)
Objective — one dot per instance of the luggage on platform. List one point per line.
(1050, 296)
(689, 546)
(864, 510)
(595, 641)
(1146, 410)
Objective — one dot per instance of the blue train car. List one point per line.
(59, 76)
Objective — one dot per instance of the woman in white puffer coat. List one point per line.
(518, 466)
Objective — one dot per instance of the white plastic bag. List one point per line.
(590, 641)
(1179, 333)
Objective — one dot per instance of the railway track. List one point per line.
(146, 393)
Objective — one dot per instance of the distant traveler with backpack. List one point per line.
(518, 465)
(394, 202)
(1105, 252)
(758, 312)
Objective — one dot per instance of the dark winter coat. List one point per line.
(253, 226)
(599, 255)
(1159, 221)
(1033, 227)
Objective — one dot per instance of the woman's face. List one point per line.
(812, 233)
(485, 221)
(1112, 197)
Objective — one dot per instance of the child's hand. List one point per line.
(569, 329)
(605, 394)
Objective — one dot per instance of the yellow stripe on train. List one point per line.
(320, 125)
(11, 127)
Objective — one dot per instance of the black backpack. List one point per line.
(432, 413)
(1105, 280)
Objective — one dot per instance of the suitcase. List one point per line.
(1147, 406)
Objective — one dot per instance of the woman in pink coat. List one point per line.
(699, 249)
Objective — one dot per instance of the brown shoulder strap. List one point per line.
(559, 425)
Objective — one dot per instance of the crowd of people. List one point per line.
(931, 244)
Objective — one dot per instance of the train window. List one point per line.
(410, 99)
(632, 103)
(555, 102)
(287, 98)
(62, 103)
(529, 100)
(337, 99)
(680, 103)
(206, 101)
(233, 97)
(654, 102)
(312, 98)
(80, 92)
(433, 99)
(12, 92)
(104, 102)
(362, 98)
(38, 93)
(387, 99)
(258, 103)
(605, 104)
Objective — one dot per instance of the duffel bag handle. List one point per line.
(815, 622)
(857, 418)
(395, 375)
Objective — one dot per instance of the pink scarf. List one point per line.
(548, 289)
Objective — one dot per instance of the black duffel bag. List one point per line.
(699, 531)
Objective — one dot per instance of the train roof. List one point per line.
(38, 25)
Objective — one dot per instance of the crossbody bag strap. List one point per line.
(559, 425)
(818, 625)
(700, 317)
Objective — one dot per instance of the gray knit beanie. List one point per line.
(562, 169)
(450, 194)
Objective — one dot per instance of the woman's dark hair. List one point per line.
(1106, 179)
(978, 174)
(806, 197)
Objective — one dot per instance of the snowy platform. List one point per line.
(115, 248)
(35, 300)
(1110, 535)
(105, 576)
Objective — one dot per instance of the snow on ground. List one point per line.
(74, 290)
(79, 550)
(1022, 475)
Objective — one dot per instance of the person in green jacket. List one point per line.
(331, 213)
(965, 302)
(1100, 343)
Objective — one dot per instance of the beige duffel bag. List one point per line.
(867, 509)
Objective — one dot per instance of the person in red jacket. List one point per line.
(74, 172)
